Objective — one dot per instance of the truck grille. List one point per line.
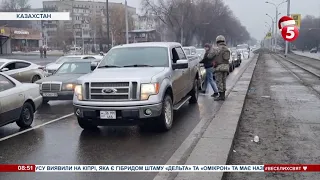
(51, 87)
(112, 91)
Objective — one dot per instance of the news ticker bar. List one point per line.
(161, 168)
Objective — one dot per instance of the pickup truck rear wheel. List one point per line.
(85, 124)
(194, 93)
(166, 118)
(26, 116)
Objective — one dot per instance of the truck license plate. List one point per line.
(49, 94)
(108, 115)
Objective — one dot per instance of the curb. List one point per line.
(196, 149)
(216, 143)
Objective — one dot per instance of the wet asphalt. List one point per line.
(64, 142)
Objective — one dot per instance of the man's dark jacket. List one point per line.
(208, 63)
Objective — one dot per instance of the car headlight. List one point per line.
(69, 87)
(78, 92)
(40, 87)
(149, 89)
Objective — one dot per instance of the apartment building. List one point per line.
(87, 17)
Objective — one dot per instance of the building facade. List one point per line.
(87, 24)
(19, 39)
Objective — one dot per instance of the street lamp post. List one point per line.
(288, 14)
(127, 28)
(277, 13)
(181, 30)
(273, 36)
(107, 12)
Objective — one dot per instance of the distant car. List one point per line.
(52, 67)
(190, 50)
(231, 63)
(236, 58)
(18, 101)
(21, 70)
(60, 85)
(201, 52)
(313, 50)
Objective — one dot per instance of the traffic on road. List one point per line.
(120, 91)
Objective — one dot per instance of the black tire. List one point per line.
(194, 93)
(45, 101)
(35, 78)
(26, 115)
(85, 124)
(163, 125)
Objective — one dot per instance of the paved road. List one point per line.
(62, 141)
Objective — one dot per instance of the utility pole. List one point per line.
(288, 14)
(127, 28)
(73, 31)
(108, 30)
(181, 30)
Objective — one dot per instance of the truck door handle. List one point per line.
(20, 94)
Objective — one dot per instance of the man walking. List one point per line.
(45, 51)
(41, 52)
(221, 56)
(208, 65)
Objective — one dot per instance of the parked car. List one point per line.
(236, 58)
(139, 83)
(190, 50)
(231, 62)
(201, 52)
(314, 50)
(21, 70)
(60, 85)
(18, 101)
(52, 67)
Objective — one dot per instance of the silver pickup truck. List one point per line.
(140, 83)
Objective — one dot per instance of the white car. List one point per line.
(18, 101)
(23, 71)
(52, 67)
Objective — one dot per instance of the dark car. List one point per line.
(60, 85)
(314, 50)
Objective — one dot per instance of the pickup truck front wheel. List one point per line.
(194, 93)
(85, 124)
(166, 118)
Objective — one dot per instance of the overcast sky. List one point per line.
(250, 12)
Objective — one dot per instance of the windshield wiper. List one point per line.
(109, 66)
(139, 65)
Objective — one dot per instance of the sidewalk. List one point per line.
(308, 54)
(33, 53)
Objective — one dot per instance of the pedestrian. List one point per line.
(41, 52)
(221, 56)
(208, 65)
(45, 51)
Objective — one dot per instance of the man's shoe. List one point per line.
(215, 95)
(222, 97)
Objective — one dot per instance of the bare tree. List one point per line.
(118, 24)
(199, 19)
(15, 6)
(309, 34)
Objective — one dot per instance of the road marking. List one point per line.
(35, 127)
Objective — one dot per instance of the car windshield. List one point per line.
(136, 57)
(65, 59)
(187, 51)
(74, 68)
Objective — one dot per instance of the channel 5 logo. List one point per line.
(288, 28)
